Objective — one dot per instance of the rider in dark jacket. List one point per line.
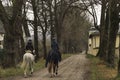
(54, 45)
(29, 46)
(53, 53)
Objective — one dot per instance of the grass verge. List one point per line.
(99, 71)
(18, 71)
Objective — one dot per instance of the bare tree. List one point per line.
(13, 29)
(109, 18)
(103, 33)
(75, 28)
(25, 22)
(34, 6)
(113, 29)
(43, 22)
(90, 4)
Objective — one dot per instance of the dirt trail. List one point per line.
(75, 67)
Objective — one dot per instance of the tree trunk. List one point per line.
(36, 42)
(59, 22)
(22, 47)
(25, 26)
(52, 28)
(35, 29)
(114, 25)
(12, 28)
(102, 53)
(119, 49)
(119, 57)
(11, 46)
(44, 45)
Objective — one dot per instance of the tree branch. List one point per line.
(3, 16)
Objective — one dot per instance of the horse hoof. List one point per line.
(25, 76)
(51, 76)
(31, 73)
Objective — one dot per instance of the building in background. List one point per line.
(94, 41)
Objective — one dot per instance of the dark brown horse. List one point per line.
(52, 60)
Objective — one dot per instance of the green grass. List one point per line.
(18, 71)
(117, 77)
(93, 67)
(99, 71)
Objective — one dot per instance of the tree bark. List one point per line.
(44, 45)
(114, 26)
(119, 46)
(35, 28)
(103, 35)
(12, 28)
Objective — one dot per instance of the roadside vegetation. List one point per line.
(99, 70)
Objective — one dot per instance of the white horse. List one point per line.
(28, 61)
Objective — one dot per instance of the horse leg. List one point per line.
(53, 69)
(25, 70)
(31, 68)
(25, 74)
(49, 68)
(56, 68)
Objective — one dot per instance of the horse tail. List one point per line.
(23, 63)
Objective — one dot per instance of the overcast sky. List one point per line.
(98, 12)
(30, 15)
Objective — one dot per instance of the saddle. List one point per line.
(54, 56)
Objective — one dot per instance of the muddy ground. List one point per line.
(75, 67)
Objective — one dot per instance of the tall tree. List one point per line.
(75, 26)
(119, 45)
(34, 6)
(108, 31)
(113, 29)
(103, 32)
(12, 26)
(43, 22)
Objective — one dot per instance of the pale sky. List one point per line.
(30, 15)
(98, 13)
